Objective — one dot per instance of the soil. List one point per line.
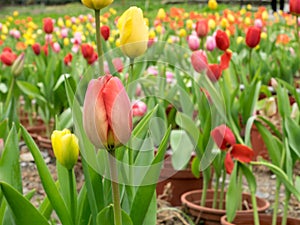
(167, 215)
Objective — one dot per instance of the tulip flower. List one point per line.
(36, 47)
(65, 147)
(202, 28)
(48, 25)
(199, 61)
(92, 59)
(210, 43)
(55, 47)
(214, 72)
(8, 57)
(239, 152)
(133, 32)
(107, 115)
(68, 59)
(161, 14)
(118, 64)
(253, 36)
(96, 4)
(18, 65)
(105, 31)
(45, 49)
(223, 137)
(295, 7)
(193, 42)
(212, 4)
(139, 108)
(87, 51)
(222, 40)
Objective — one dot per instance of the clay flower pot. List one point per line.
(181, 181)
(191, 201)
(263, 220)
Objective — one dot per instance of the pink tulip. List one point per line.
(118, 64)
(210, 43)
(139, 108)
(199, 61)
(258, 23)
(56, 47)
(107, 115)
(1, 145)
(193, 42)
(169, 76)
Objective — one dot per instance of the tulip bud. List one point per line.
(202, 28)
(161, 14)
(96, 4)
(36, 47)
(105, 31)
(193, 42)
(295, 7)
(295, 111)
(7, 57)
(212, 4)
(223, 137)
(133, 32)
(253, 36)
(222, 40)
(199, 61)
(214, 72)
(65, 147)
(270, 107)
(68, 59)
(107, 115)
(87, 51)
(18, 65)
(210, 43)
(48, 25)
(139, 108)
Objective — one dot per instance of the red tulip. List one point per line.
(36, 47)
(48, 25)
(8, 58)
(45, 49)
(93, 58)
(214, 72)
(253, 36)
(105, 31)
(228, 162)
(239, 152)
(107, 115)
(87, 51)
(68, 59)
(225, 60)
(242, 153)
(223, 137)
(222, 40)
(202, 28)
(199, 61)
(295, 7)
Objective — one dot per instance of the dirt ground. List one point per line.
(166, 214)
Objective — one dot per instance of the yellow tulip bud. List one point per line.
(263, 35)
(15, 13)
(239, 40)
(224, 23)
(230, 18)
(249, 7)
(118, 42)
(68, 23)
(96, 4)
(112, 11)
(111, 39)
(212, 4)
(243, 11)
(65, 147)
(133, 32)
(211, 24)
(182, 32)
(60, 22)
(189, 24)
(66, 41)
(152, 34)
(159, 29)
(4, 29)
(161, 14)
(247, 21)
(265, 15)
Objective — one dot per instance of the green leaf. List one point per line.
(250, 177)
(47, 180)
(31, 90)
(232, 198)
(186, 123)
(84, 211)
(3, 128)
(145, 191)
(106, 217)
(65, 119)
(10, 170)
(24, 212)
(60, 80)
(248, 130)
(281, 176)
(293, 132)
(182, 148)
(196, 167)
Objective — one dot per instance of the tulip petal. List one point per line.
(118, 109)
(242, 153)
(225, 59)
(229, 165)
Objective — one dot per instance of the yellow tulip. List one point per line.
(152, 34)
(133, 32)
(211, 24)
(182, 33)
(224, 23)
(263, 35)
(66, 41)
(15, 13)
(212, 4)
(112, 11)
(249, 7)
(65, 147)
(265, 15)
(161, 14)
(239, 40)
(189, 24)
(96, 4)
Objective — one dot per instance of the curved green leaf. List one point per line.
(24, 212)
(106, 217)
(31, 90)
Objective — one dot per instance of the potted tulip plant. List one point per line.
(283, 155)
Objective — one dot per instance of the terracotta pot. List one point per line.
(263, 220)
(191, 201)
(181, 181)
(258, 145)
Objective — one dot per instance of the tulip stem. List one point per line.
(10, 92)
(72, 196)
(297, 28)
(222, 189)
(99, 44)
(115, 189)
(254, 207)
(276, 202)
(250, 75)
